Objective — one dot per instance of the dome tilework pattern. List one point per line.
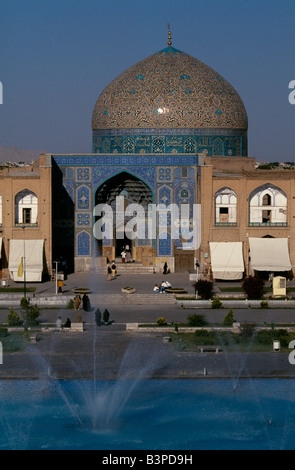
(169, 89)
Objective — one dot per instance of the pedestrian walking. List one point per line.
(86, 303)
(77, 303)
(98, 317)
(114, 270)
(106, 317)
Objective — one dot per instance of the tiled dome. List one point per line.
(169, 89)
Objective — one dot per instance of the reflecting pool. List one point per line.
(147, 415)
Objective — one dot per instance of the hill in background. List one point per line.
(14, 154)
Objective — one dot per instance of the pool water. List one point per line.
(147, 415)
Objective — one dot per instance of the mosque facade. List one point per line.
(153, 126)
(169, 131)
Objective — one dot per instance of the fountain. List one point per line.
(130, 408)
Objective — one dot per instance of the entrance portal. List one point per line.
(134, 191)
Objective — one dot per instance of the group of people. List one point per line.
(59, 324)
(126, 254)
(99, 320)
(162, 287)
(82, 303)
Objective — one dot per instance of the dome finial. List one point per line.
(169, 36)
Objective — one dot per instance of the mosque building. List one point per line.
(170, 131)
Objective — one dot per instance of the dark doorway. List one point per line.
(134, 191)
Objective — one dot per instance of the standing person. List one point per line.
(77, 303)
(98, 317)
(106, 317)
(114, 270)
(86, 303)
(59, 323)
(109, 274)
(123, 255)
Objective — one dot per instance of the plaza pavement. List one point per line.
(142, 307)
(109, 352)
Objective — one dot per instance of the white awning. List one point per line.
(269, 254)
(227, 260)
(33, 263)
(0, 247)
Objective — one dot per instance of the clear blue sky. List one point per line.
(56, 56)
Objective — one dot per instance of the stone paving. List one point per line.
(110, 351)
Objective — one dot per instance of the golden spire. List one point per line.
(169, 36)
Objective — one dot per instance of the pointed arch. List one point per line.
(226, 201)
(268, 206)
(26, 207)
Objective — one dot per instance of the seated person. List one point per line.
(58, 323)
(166, 284)
(162, 287)
(68, 323)
(156, 289)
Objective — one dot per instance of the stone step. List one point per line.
(133, 299)
(128, 269)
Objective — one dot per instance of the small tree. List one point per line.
(12, 318)
(204, 288)
(216, 303)
(253, 287)
(229, 318)
(30, 313)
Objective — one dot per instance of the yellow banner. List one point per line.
(20, 271)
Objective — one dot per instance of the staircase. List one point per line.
(127, 268)
(133, 299)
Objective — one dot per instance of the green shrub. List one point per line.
(70, 304)
(216, 303)
(204, 288)
(161, 321)
(247, 330)
(229, 318)
(268, 336)
(197, 320)
(25, 303)
(31, 313)
(12, 318)
(206, 337)
(3, 332)
(264, 304)
(253, 287)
